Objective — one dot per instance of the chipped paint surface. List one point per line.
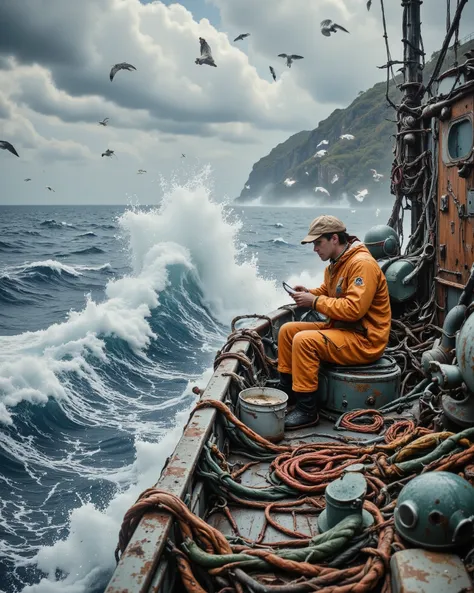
(420, 571)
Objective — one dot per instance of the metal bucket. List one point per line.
(263, 410)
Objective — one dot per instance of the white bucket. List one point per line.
(263, 410)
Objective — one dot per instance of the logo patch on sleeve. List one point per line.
(358, 281)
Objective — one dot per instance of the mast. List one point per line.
(409, 120)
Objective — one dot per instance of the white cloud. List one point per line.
(54, 66)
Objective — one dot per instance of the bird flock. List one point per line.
(322, 152)
(327, 27)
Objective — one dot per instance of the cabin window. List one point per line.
(460, 139)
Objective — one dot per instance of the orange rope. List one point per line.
(348, 421)
(399, 429)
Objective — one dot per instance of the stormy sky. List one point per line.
(55, 58)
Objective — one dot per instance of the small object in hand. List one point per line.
(289, 289)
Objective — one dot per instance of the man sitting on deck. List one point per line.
(354, 296)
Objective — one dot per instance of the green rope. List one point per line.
(223, 482)
(322, 546)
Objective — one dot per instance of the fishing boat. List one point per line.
(378, 496)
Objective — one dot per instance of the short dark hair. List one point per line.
(342, 236)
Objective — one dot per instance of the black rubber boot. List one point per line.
(305, 412)
(286, 384)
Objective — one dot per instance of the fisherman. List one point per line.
(354, 296)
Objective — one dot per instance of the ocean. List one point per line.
(109, 316)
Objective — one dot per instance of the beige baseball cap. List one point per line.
(322, 225)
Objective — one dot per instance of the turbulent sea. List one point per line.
(109, 316)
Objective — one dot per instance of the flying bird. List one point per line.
(290, 58)
(360, 195)
(247, 186)
(7, 146)
(272, 71)
(241, 36)
(322, 190)
(206, 54)
(289, 182)
(335, 178)
(346, 137)
(328, 27)
(104, 122)
(183, 156)
(322, 143)
(141, 171)
(375, 175)
(27, 179)
(369, 4)
(121, 66)
(50, 189)
(108, 152)
(321, 153)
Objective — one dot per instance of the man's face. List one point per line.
(325, 248)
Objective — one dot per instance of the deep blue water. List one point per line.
(109, 316)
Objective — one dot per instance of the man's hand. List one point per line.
(303, 299)
(300, 288)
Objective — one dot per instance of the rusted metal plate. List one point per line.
(137, 566)
(421, 571)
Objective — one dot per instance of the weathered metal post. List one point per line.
(411, 142)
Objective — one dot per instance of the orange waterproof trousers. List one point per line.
(302, 345)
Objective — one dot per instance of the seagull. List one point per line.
(183, 156)
(321, 153)
(335, 178)
(121, 66)
(322, 143)
(306, 172)
(272, 71)
(347, 137)
(50, 189)
(7, 146)
(369, 4)
(27, 179)
(376, 176)
(247, 186)
(323, 190)
(108, 152)
(290, 58)
(328, 27)
(289, 182)
(241, 36)
(377, 212)
(360, 195)
(206, 55)
(104, 121)
(141, 171)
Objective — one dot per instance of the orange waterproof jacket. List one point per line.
(354, 295)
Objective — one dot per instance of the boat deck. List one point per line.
(249, 520)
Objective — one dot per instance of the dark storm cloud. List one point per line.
(38, 31)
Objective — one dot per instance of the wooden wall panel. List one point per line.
(455, 249)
